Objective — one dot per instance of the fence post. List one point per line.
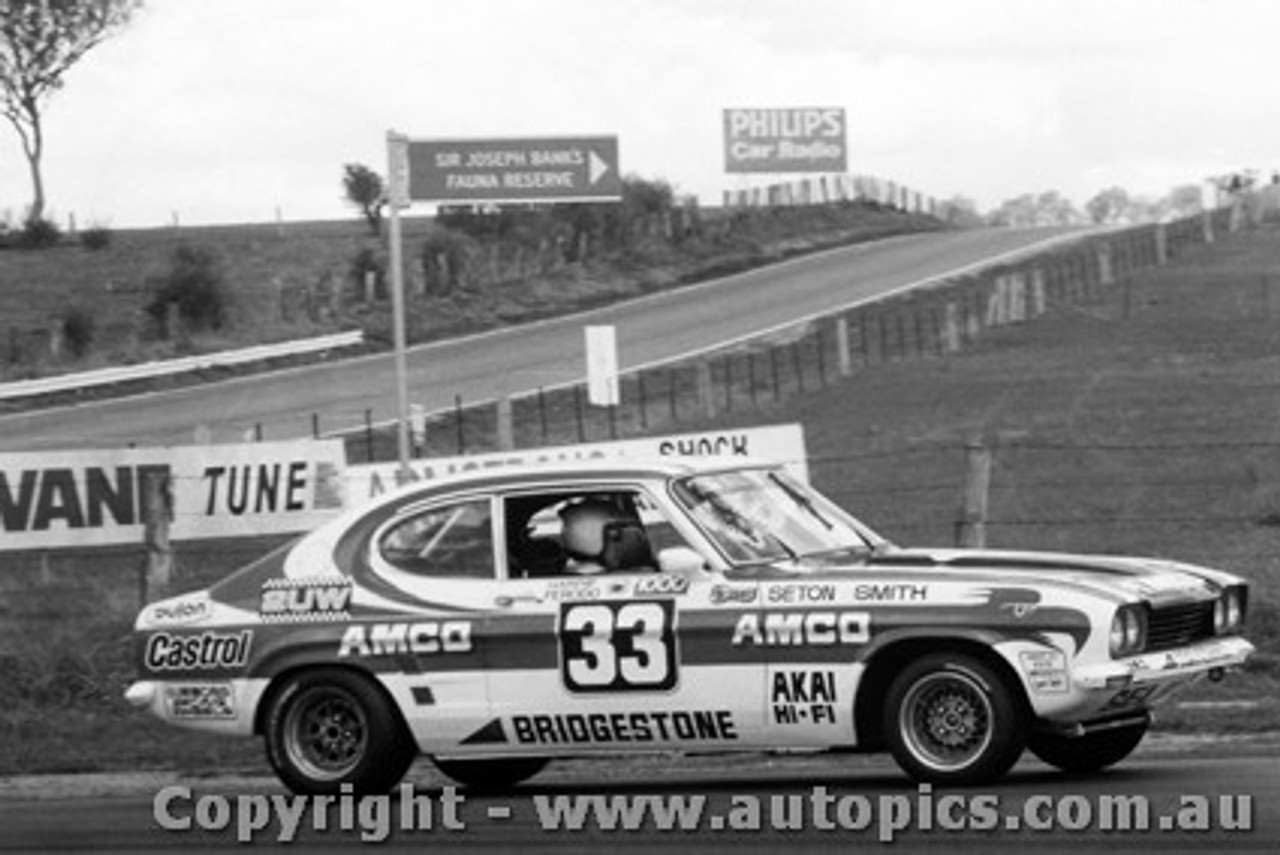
(458, 423)
(971, 529)
(706, 389)
(1105, 276)
(506, 425)
(157, 499)
(845, 360)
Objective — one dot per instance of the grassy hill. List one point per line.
(293, 280)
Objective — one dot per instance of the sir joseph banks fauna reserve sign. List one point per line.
(514, 170)
(808, 139)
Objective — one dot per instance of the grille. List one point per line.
(1177, 626)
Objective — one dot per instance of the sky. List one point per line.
(229, 111)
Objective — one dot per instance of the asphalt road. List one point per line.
(509, 361)
(844, 802)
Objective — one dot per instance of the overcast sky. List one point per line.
(226, 110)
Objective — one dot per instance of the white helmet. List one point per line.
(583, 527)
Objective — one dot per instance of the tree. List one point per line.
(1186, 200)
(40, 40)
(1108, 206)
(365, 190)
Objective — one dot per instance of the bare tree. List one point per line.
(40, 40)
(364, 189)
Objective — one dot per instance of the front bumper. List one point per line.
(1168, 666)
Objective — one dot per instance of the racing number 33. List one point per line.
(618, 647)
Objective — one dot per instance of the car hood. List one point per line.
(1124, 578)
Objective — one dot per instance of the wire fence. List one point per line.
(933, 323)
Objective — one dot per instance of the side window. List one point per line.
(448, 540)
(585, 533)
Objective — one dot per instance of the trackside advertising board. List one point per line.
(778, 443)
(97, 498)
(800, 139)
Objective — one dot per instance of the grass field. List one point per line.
(1145, 420)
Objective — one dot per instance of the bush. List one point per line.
(194, 284)
(95, 238)
(368, 261)
(38, 234)
(78, 329)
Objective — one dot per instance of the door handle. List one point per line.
(506, 601)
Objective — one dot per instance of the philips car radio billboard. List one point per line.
(798, 139)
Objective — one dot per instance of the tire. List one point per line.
(329, 727)
(953, 719)
(1090, 752)
(492, 775)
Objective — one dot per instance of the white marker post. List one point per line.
(602, 365)
(397, 198)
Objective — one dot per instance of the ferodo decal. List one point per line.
(391, 639)
(618, 646)
(803, 697)
(802, 629)
(604, 728)
(208, 651)
(315, 599)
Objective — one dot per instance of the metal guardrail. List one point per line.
(147, 370)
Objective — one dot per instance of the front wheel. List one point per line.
(1090, 752)
(953, 719)
(329, 727)
(492, 774)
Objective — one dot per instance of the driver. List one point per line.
(582, 535)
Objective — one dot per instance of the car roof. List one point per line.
(488, 473)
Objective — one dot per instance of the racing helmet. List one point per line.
(583, 525)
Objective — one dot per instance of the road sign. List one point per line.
(807, 139)
(554, 169)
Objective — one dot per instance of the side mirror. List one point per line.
(682, 561)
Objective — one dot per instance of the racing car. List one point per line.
(498, 619)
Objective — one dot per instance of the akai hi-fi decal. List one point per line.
(803, 697)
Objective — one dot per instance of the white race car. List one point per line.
(502, 618)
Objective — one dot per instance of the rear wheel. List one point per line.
(1090, 752)
(953, 719)
(492, 775)
(329, 727)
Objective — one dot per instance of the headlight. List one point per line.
(1128, 631)
(1228, 611)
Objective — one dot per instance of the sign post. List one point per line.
(483, 172)
(398, 197)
